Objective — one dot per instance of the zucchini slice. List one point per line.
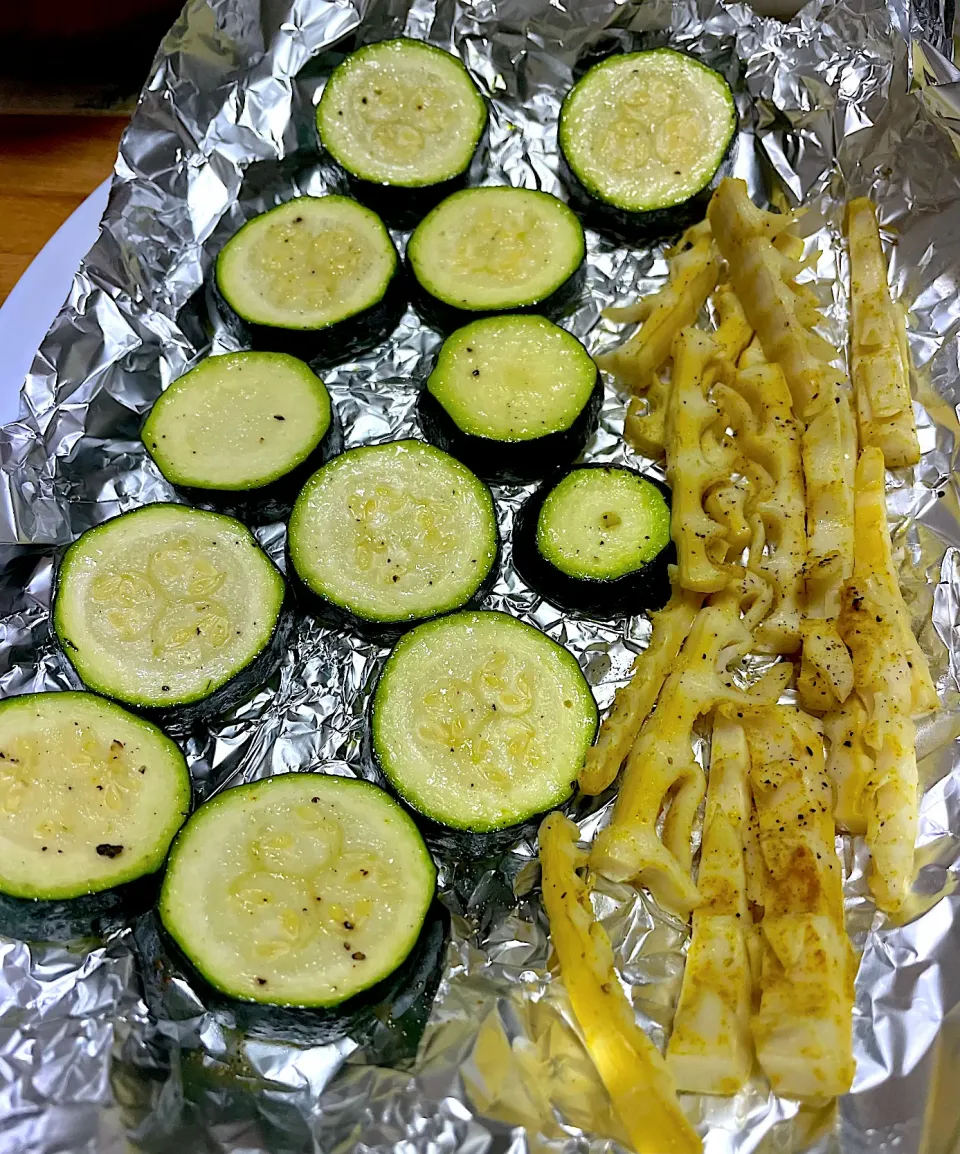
(496, 250)
(241, 433)
(392, 534)
(167, 606)
(90, 796)
(597, 541)
(300, 890)
(403, 119)
(316, 277)
(481, 721)
(512, 397)
(643, 136)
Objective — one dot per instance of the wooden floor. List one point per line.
(48, 166)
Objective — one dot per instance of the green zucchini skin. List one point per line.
(378, 632)
(509, 461)
(445, 318)
(329, 346)
(447, 294)
(403, 208)
(180, 720)
(469, 841)
(645, 590)
(376, 629)
(627, 225)
(271, 502)
(403, 200)
(400, 1002)
(638, 227)
(88, 916)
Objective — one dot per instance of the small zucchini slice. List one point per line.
(300, 890)
(597, 541)
(512, 396)
(403, 119)
(496, 250)
(90, 796)
(480, 721)
(315, 277)
(386, 535)
(169, 606)
(240, 433)
(643, 137)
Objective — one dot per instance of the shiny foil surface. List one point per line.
(104, 1044)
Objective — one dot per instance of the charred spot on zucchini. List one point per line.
(90, 796)
(512, 397)
(643, 136)
(392, 534)
(169, 606)
(240, 433)
(301, 890)
(496, 250)
(403, 119)
(480, 721)
(597, 541)
(316, 277)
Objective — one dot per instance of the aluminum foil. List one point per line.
(104, 1044)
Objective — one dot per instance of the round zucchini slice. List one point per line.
(90, 796)
(597, 541)
(315, 277)
(392, 534)
(512, 396)
(643, 136)
(481, 721)
(241, 433)
(403, 119)
(301, 890)
(496, 250)
(168, 606)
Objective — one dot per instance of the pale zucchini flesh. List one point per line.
(402, 113)
(238, 421)
(307, 264)
(90, 796)
(164, 605)
(301, 890)
(490, 249)
(481, 721)
(513, 378)
(394, 532)
(647, 130)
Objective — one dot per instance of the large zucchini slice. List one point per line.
(597, 541)
(403, 119)
(392, 534)
(301, 890)
(90, 796)
(240, 433)
(496, 250)
(481, 721)
(643, 136)
(315, 277)
(168, 606)
(512, 396)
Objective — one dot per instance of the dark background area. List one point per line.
(70, 72)
(56, 44)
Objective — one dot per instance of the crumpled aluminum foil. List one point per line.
(96, 1051)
